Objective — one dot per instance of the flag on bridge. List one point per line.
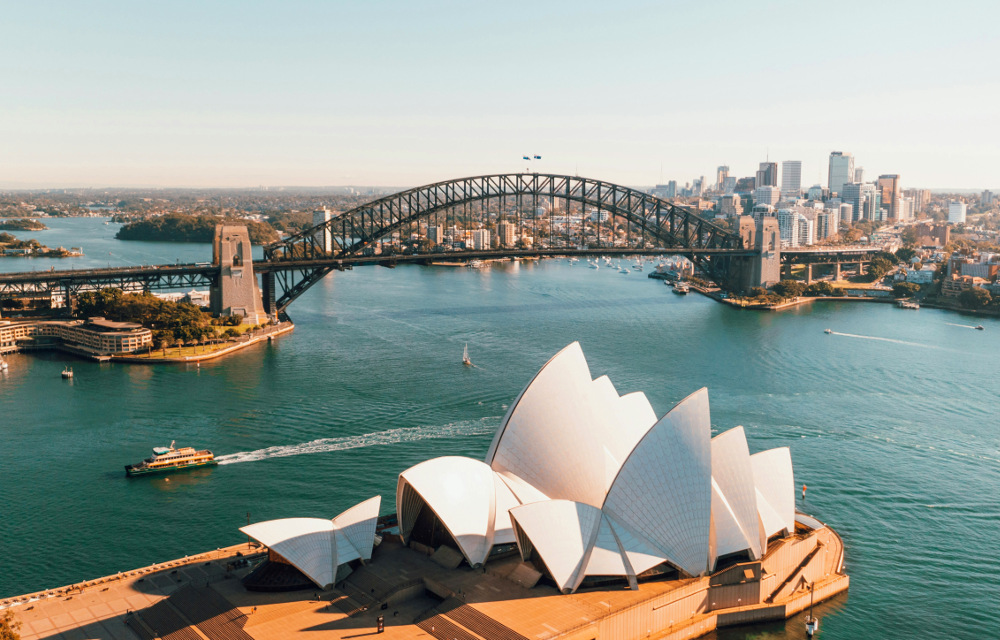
(538, 157)
(527, 158)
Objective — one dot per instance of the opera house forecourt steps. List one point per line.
(590, 517)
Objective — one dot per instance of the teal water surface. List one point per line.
(890, 419)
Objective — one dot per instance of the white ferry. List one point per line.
(166, 459)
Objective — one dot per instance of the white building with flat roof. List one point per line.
(956, 212)
(767, 195)
(323, 236)
(481, 239)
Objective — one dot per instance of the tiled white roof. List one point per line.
(316, 546)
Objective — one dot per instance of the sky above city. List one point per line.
(387, 93)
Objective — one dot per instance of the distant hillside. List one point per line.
(184, 228)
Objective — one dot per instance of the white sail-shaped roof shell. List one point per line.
(663, 490)
(775, 485)
(464, 495)
(316, 546)
(553, 434)
(593, 484)
(354, 531)
(306, 543)
(734, 497)
(563, 534)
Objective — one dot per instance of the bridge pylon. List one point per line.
(762, 269)
(235, 292)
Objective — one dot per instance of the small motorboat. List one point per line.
(828, 331)
(465, 356)
(980, 327)
(67, 373)
(3, 364)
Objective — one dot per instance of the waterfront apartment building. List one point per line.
(481, 239)
(435, 234)
(506, 232)
(767, 174)
(841, 171)
(791, 178)
(95, 335)
(889, 192)
(956, 212)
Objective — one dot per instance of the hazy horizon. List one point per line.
(193, 94)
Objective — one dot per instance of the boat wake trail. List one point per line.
(893, 340)
(378, 438)
(964, 326)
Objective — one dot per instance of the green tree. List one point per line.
(905, 289)
(974, 298)
(821, 288)
(789, 288)
(905, 254)
(9, 626)
(878, 267)
(758, 292)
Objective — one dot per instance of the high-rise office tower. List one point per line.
(698, 187)
(872, 203)
(767, 175)
(921, 197)
(859, 174)
(791, 178)
(841, 171)
(729, 184)
(720, 177)
(888, 186)
(853, 194)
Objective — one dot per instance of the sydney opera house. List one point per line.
(585, 489)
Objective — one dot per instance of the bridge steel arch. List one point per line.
(668, 227)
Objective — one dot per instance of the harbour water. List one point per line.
(890, 419)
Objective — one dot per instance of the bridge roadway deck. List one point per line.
(200, 274)
(179, 276)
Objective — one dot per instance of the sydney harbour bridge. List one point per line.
(547, 215)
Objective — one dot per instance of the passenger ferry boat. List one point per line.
(166, 459)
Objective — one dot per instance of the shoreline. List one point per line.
(267, 334)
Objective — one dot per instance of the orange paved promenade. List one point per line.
(202, 598)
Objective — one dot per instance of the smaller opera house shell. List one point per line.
(589, 484)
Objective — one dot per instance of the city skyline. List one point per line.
(240, 95)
